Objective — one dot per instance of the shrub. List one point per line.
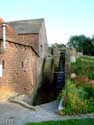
(79, 93)
(77, 100)
(91, 75)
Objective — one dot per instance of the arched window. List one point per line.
(22, 64)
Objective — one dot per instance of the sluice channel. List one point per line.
(49, 92)
(60, 75)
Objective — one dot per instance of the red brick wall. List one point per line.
(19, 70)
(31, 39)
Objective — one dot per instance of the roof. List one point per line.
(26, 26)
(9, 31)
(12, 36)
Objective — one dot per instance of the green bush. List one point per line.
(91, 75)
(89, 89)
(77, 99)
(79, 94)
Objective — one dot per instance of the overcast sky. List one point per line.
(63, 18)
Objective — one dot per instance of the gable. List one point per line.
(26, 26)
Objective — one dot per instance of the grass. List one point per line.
(88, 58)
(66, 122)
(84, 67)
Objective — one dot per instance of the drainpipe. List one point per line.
(4, 37)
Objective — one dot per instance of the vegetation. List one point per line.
(67, 122)
(78, 98)
(82, 44)
(78, 93)
(84, 67)
(59, 45)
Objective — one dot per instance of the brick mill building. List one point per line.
(23, 48)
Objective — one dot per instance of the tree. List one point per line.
(59, 45)
(92, 41)
(77, 42)
(73, 42)
(82, 44)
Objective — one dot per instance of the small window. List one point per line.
(3, 64)
(22, 64)
(1, 70)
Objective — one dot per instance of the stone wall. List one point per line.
(67, 64)
(19, 67)
(72, 51)
(56, 57)
(72, 54)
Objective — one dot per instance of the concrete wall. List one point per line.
(43, 45)
(72, 51)
(48, 70)
(19, 65)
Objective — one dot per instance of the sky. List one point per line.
(63, 18)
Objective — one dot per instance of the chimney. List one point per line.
(4, 36)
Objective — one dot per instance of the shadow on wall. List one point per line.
(45, 92)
